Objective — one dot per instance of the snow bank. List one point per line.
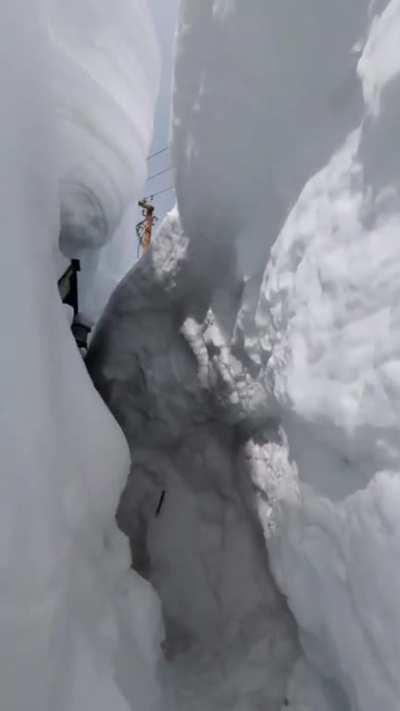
(328, 316)
(70, 609)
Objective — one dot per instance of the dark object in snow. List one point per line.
(68, 289)
(81, 333)
(160, 503)
(68, 285)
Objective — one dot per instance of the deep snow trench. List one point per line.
(242, 415)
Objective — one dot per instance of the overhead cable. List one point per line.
(158, 153)
(156, 175)
(160, 192)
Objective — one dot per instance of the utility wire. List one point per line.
(160, 192)
(158, 153)
(156, 175)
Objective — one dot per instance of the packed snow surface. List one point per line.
(78, 629)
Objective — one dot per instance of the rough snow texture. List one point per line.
(71, 611)
(285, 126)
(161, 361)
(329, 318)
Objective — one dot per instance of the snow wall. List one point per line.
(105, 83)
(78, 629)
(266, 389)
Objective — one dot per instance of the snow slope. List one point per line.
(70, 608)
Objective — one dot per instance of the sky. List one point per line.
(165, 15)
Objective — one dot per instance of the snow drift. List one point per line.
(71, 611)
